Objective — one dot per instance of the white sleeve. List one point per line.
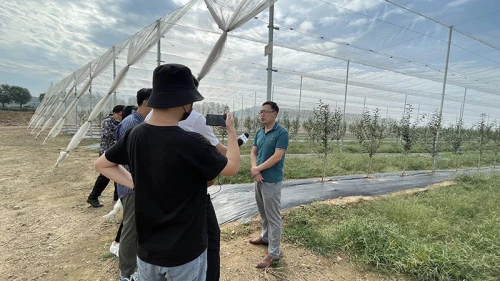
(148, 116)
(198, 125)
(202, 128)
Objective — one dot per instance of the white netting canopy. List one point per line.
(345, 52)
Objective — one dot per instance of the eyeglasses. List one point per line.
(266, 111)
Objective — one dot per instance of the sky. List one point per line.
(43, 41)
(395, 55)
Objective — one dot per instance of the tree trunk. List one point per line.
(434, 155)
(370, 167)
(324, 167)
(404, 164)
(479, 160)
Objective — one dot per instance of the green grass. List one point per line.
(354, 163)
(449, 233)
(351, 161)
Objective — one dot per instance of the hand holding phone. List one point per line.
(216, 120)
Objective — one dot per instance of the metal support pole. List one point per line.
(300, 97)
(254, 103)
(270, 55)
(76, 112)
(158, 44)
(404, 105)
(462, 109)
(344, 125)
(90, 102)
(442, 99)
(114, 74)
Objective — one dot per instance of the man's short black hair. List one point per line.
(118, 108)
(143, 94)
(273, 105)
(127, 110)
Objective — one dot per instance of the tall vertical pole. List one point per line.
(404, 105)
(462, 109)
(344, 125)
(76, 111)
(114, 74)
(270, 55)
(65, 107)
(254, 103)
(300, 97)
(158, 44)
(90, 102)
(442, 100)
(460, 124)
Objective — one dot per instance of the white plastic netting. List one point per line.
(396, 56)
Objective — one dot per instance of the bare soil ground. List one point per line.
(48, 232)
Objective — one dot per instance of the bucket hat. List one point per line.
(173, 86)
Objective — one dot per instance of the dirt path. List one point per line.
(50, 233)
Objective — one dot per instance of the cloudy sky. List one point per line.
(394, 54)
(43, 41)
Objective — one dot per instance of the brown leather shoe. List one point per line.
(258, 241)
(266, 262)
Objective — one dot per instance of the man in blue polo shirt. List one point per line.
(268, 157)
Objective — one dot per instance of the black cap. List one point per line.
(173, 86)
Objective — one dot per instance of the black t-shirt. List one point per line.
(170, 168)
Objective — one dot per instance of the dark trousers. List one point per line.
(100, 184)
(119, 233)
(213, 251)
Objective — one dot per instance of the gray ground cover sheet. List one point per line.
(237, 201)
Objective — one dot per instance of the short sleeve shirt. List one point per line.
(266, 144)
(170, 168)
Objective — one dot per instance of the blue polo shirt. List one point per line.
(266, 144)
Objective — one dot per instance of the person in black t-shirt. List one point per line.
(169, 170)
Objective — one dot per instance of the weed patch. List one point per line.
(450, 233)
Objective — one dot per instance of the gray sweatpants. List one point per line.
(268, 197)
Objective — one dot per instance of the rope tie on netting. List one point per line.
(59, 90)
(138, 46)
(245, 10)
(79, 78)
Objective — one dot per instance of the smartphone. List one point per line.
(216, 120)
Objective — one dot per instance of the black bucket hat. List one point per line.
(173, 86)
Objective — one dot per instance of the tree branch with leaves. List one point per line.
(369, 130)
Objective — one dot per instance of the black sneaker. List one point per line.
(94, 203)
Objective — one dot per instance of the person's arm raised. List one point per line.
(233, 150)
